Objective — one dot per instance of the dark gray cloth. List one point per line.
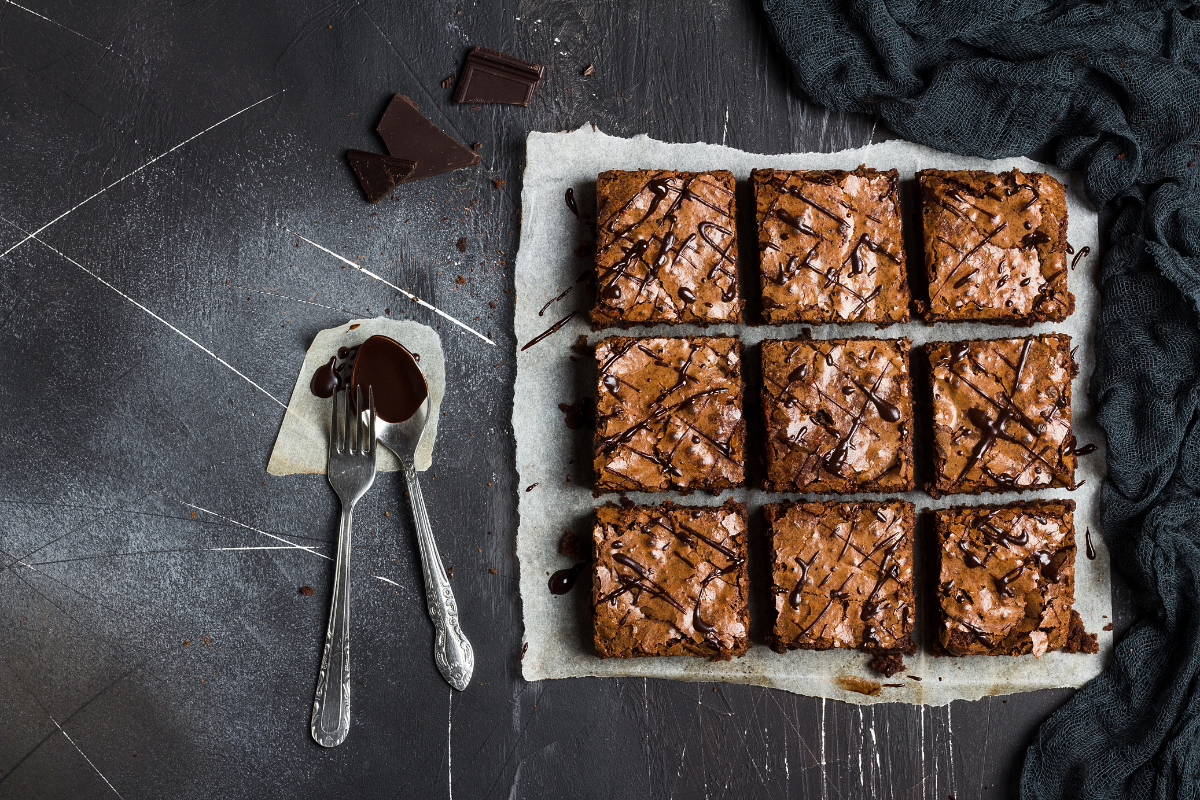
(1115, 90)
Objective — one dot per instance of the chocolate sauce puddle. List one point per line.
(387, 367)
(563, 581)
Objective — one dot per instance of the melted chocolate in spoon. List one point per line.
(390, 369)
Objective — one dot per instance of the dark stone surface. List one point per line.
(135, 658)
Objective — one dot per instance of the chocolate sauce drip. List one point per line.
(1086, 450)
(564, 579)
(798, 374)
(796, 597)
(560, 297)
(326, 381)
(1081, 254)
(887, 411)
(1091, 551)
(551, 330)
(1035, 238)
(571, 201)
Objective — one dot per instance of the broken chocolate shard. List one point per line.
(379, 174)
(410, 135)
(494, 77)
(590, 71)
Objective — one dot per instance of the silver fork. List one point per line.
(351, 471)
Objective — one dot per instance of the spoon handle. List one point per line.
(451, 650)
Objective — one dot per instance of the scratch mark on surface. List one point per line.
(29, 236)
(59, 24)
(292, 545)
(725, 133)
(386, 580)
(284, 297)
(407, 294)
(220, 360)
(950, 746)
(824, 774)
(85, 758)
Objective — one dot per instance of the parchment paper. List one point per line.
(558, 628)
(303, 437)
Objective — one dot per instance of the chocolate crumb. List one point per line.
(572, 545)
(492, 571)
(581, 346)
(1107, 627)
(492, 303)
(1078, 639)
(524, 647)
(498, 183)
(912, 677)
(887, 663)
(461, 244)
(460, 280)
(589, 71)
(307, 590)
(476, 145)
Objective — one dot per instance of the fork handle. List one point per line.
(331, 708)
(451, 651)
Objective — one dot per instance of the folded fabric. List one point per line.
(1114, 89)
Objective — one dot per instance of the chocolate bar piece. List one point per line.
(494, 77)
(410, 135)
(378, 174)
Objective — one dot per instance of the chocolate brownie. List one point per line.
(995, 247)
(841, 575)
(1006, 579)
(670, 580)
(1002, 414)
(839, 415)
(669, 414)
(666, 248)
(830, 246)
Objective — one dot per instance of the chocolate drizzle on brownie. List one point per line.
(819, 265)
(995, 246)
(839, 415)
(666, 249)
(842, 575)
(670, 580)
(669, 414)
(1002, 414)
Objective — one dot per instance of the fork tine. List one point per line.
(371, 398)
(333, 427)
(351, 414)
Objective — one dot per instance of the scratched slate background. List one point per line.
(147, 648)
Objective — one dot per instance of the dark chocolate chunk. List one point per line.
(494, 77)
(379, 174)
(409, 134)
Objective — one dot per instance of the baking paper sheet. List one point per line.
(558, 628)
(303, 438)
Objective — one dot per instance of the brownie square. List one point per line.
(669, 414)
(995, 247)
(666, 248)
(830, 246)
(841, 575)
(1002, 414)
(1006, 579)
(670, 580)
(839, 415)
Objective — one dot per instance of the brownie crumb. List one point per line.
(1107, 627)
(492, 303)
(1078, 639)
(450, 571)
(460, 280)
(888, 664)
(492, 571)
(585, 250)
(580, 414)
(461, 244)
(498, 183)
(476, 145)
(307, 590)
(572, 545)
(581, 346)
(913, 677)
